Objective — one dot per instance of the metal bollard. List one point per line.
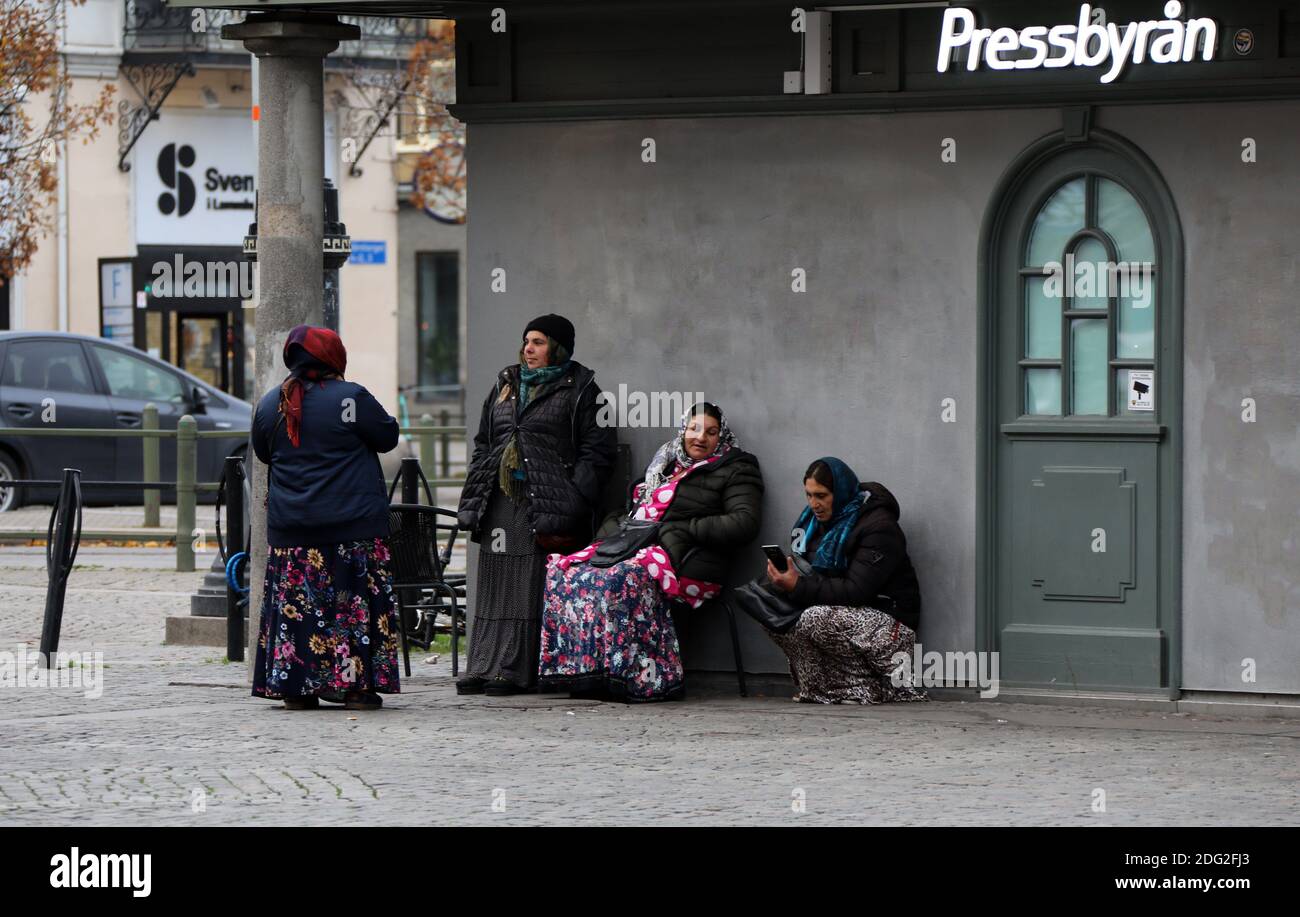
(445, 471)
(235, 626)
(152, 467)
(426, 441)
(411, 480)
(61, 543)
(410, 494)
(187, 457)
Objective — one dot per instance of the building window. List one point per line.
(1088, 315)
(131, 377)
(47, 365)
(437, 321)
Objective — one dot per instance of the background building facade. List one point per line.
(650, 175)
(839, 224)
(180, 185)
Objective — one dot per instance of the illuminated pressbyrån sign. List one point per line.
(1091, 42)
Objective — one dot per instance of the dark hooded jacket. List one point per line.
(567, 455)
(716, 511)
(878, 565)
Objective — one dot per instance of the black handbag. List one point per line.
(774, 610)
(632, 536)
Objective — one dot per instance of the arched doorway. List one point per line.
(1080, 430)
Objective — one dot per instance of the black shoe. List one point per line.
(333, 697)
(470, 684)
(362, 700)
(301, 703)
(501, 687)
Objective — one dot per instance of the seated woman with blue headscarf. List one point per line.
(861, 600)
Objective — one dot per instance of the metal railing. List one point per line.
(153, 27)
(187, 435)
(432, 440)
(427, 433)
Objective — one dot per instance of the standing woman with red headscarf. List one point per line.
(329, 616)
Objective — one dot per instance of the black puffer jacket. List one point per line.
(715, 512)
(878, 565)
(567, 456)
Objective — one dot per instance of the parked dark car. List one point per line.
(55, 379)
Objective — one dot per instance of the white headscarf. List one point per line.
(673, 453)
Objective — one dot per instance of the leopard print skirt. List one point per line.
(841, 655)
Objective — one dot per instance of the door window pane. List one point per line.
(438, 318)
(1121, 216)
(132, 377)
(1091, 276)
(202, 349)
(1135, 337)
(51, 366)
(1090, 365)
(1060, 218)
(1042, 320)
(1042, 391)
(153, 334)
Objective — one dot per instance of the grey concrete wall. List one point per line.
(677, 274)
(1241, 481)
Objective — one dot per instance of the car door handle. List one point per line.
(20, 410)
(127, 419)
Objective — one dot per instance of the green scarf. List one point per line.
(510, 473)
(535, 378)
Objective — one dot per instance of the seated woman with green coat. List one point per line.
(607, 626)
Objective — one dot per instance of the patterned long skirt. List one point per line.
(611, 629)
(842, 655)
(329, 621)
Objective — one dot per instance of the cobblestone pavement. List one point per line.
(175, 738)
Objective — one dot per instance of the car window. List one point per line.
(53, 366)
(134, 377)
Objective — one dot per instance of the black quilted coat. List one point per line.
(878, 565)
(715, 512)
(567, 456)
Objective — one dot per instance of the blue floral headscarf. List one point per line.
(845, 506)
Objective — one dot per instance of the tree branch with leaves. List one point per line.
(36, 119)
(411, 101)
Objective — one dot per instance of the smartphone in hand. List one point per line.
(776, 556)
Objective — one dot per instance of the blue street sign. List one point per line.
(369, 252)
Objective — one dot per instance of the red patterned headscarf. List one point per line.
(309, 353)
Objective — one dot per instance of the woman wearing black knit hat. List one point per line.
(534, 486)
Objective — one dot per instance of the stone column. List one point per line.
(291, 49)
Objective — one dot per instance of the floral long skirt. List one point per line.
(329, 621)
(841, 655)
(609, 628)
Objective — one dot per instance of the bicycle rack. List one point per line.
(62, 538)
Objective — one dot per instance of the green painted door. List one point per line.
(1081, 438)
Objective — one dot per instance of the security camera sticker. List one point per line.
(1141, 390)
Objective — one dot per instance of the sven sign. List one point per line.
(194, 179)
(1091, 42)
(194, 175)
